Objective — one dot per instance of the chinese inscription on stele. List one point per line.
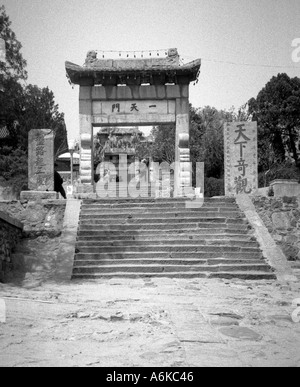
(241, 174)
(41, 160)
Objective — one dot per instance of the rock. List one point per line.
(101, 316)
(83, 315)
(117, 317)
(135, 317)
(280, 317)
(281, 221)
(223, 321)
(282, 303)
(242, 333)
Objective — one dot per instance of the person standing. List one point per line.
(58, 183)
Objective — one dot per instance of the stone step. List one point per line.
(158, 207)
(168, 255)
(139, 201)
(170, 227)
(114, 237)
(156, 243)
(170, 268)
(155, 204)
(153, 210)
(148, 221)
(254, 276)
(166, 261)
(159, 215)
(169, 248)
(182, 233)
(146, 237)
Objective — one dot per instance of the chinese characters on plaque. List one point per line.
(241, 174)
(134, 111)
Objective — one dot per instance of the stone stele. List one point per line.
(41, 160)
(241, 171)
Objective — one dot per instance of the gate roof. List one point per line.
(113, 72)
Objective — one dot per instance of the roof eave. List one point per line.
(76, 73)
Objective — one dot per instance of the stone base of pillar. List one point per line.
(84, 191)
(85, 188)
(33, 196)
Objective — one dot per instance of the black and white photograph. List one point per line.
(149, 186)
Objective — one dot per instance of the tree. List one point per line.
(277, 111)
(206, 140)
(23, 108)
(40, 111)
(163, 149)
(212, 142)
(29, 108)
(15, 66)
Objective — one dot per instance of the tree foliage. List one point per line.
(163, 149)
(15, 66)
(206, 141)
(29, 107)
(277, 111)
(22, 108)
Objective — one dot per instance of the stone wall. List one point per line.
(282, 218)
(10, 234)
(7, 193)
(40, 218)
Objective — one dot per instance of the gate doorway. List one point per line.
(129, 92)
(127, 154)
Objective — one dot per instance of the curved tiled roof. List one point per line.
(133, 71)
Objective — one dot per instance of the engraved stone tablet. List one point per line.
(41, 160)
(241, 171)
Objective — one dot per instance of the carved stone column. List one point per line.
(182, 169)
(86, 138)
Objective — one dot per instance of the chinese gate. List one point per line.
(128, 92)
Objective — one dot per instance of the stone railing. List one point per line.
(10, 234)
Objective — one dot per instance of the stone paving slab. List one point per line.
(149, 322)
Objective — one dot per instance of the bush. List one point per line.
(213, 187)
(285, 170)
(14, 169)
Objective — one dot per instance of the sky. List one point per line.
(242, 43)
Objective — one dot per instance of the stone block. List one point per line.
(85, 92)
(37, 195)
(281, 221)
(85, 107)
(41, 160)
(8, 219)
(148, 92)
(98, 93)
(173, 91)
(124, 92)
(111, 92)
(285, 188)
(241, 166)
(184, 91)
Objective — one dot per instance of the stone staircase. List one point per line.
(162, 238)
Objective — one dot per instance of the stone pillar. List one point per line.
(240, 145)
(40, 165)
(86, 138)
(41, 160)
(182, 150)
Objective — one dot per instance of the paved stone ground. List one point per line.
(144, 322)
(150, 323)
